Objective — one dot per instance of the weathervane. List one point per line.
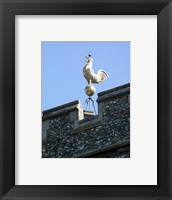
(91, 77)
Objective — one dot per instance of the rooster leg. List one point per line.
(89, 83)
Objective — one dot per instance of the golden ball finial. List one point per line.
(90, 90)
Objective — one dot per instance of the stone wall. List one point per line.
(70, 132)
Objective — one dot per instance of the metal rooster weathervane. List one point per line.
(91, 77)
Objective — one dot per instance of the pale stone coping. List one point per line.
(87, 123)
(63, 109)
(113, 93)
(88, 113)
(118, 146)
(94, 117)
(76, 102)
(114, 89)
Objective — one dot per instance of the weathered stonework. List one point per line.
(68, 131)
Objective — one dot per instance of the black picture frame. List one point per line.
(8, 10)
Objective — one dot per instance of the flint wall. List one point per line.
(68, 131)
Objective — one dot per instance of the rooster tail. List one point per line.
(103, 75)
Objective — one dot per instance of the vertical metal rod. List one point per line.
(94, 107)
(90, 104)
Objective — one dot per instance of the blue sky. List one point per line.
(63, 62)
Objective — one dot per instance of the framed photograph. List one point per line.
(101, 127)
(85, 99)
